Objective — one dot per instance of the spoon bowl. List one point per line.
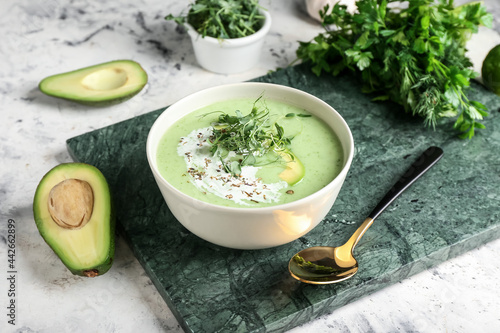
(325, 267)
(326, 264)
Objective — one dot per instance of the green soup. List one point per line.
(186, 162)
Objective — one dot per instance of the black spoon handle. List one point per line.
(417, 169)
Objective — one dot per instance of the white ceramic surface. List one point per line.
(250, 228)
(228, 56)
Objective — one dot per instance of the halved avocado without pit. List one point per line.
(73, 212)
(99, 85)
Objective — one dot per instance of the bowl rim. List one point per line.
(285, 206)
(234, 42)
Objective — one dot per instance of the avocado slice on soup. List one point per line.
(99, 85)
(73, 212)
(294, 170)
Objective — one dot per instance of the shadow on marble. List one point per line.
(53, 104)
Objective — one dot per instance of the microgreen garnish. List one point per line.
(223, 18)
(411, 52)
(248, 137)
(313, 268)
(291, 115)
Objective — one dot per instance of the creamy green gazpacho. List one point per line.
(249, 153)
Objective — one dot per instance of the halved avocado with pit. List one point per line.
(73, 212)
(99, 85)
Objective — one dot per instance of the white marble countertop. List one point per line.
(41, 38)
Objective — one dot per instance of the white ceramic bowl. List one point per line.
(229, 56)
(250, 228)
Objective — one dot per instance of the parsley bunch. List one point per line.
(413, 55)
(223, 18)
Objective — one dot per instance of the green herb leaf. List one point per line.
(222, 18)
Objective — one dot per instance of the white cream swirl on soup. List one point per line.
(208, 175)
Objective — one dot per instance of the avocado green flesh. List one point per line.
(294, 171)
(101, 84)
(87, 250)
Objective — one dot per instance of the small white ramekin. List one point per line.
(229, 56)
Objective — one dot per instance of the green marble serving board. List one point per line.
(452, 209)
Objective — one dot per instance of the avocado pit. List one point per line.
(71, 203)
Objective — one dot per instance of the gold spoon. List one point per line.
(326, 264)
